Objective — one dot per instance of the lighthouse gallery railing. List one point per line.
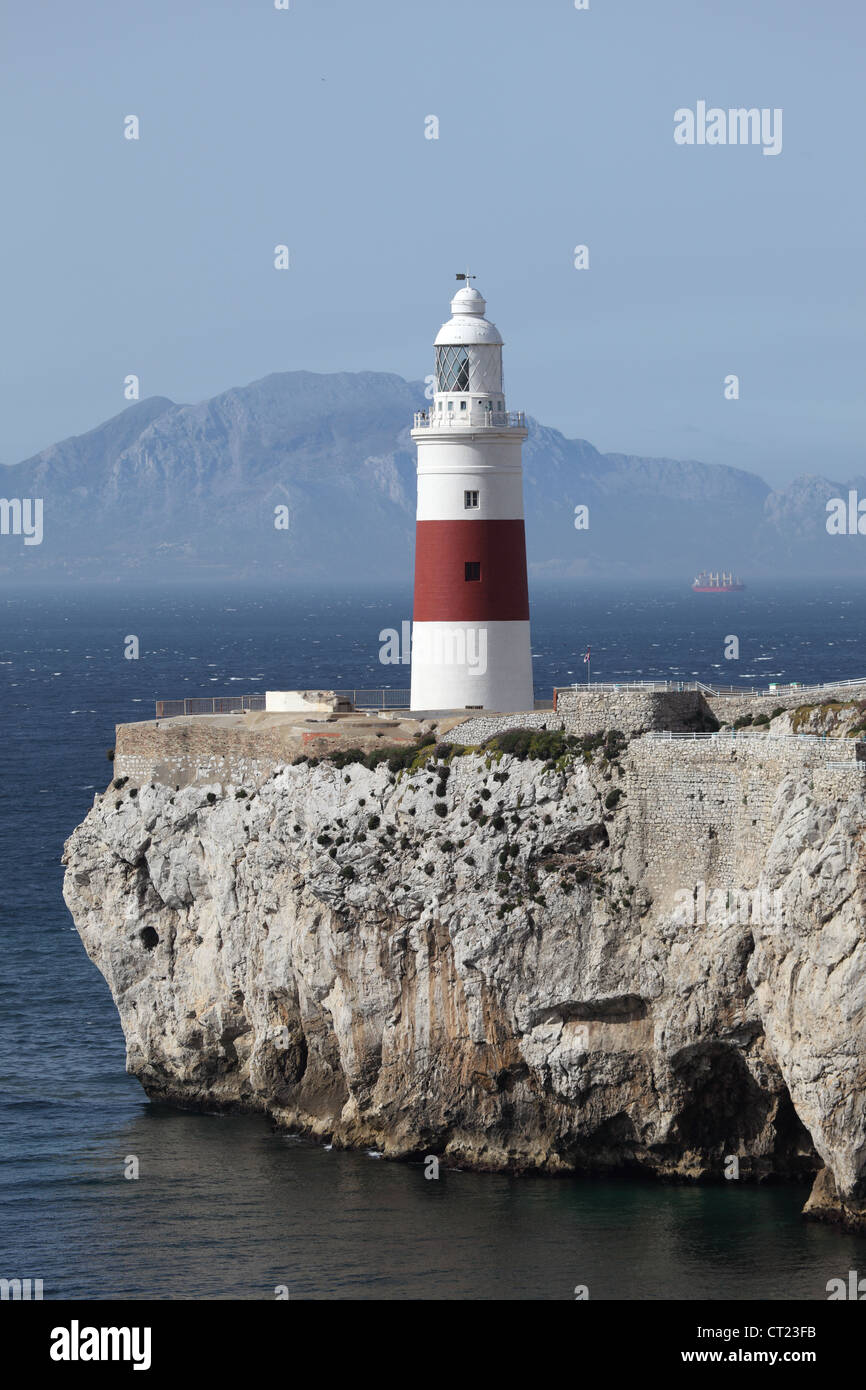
(476, 419)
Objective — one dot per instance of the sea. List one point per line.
(224, 1208)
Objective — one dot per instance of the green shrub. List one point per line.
(341, 757)
(541, 745)
(612, 798)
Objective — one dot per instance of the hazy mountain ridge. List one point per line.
(192, 489)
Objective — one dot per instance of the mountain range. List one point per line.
(169, 491)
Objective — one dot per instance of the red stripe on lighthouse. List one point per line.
(442, 592)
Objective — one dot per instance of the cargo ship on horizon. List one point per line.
(722, 583)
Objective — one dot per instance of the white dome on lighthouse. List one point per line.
(468, 301)
(468, 324)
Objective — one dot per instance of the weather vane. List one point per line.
(466, 276)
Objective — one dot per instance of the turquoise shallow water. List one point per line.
(223, 1207)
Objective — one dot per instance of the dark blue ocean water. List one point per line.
(223, 1207)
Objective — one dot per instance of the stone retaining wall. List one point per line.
(727, 708)
(699, 807)
(632, 711)
(589, 712)
(178, 754)
(484, 726)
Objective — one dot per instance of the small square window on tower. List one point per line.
(473, 569)
(470, 499)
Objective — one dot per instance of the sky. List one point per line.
(305, 127)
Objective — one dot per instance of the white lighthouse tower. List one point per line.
(470, 641)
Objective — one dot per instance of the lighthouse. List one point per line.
(470, 639)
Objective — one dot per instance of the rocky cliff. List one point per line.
(504, 961)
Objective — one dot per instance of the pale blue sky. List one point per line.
(556, 127)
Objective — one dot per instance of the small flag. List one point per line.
(586, 654)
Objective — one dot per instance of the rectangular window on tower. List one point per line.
(470, 500)
(473, 569)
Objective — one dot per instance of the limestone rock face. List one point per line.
(498, 962)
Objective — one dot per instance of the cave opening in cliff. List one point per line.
(723, 1105)
(794, 1152)
(727, 1112)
